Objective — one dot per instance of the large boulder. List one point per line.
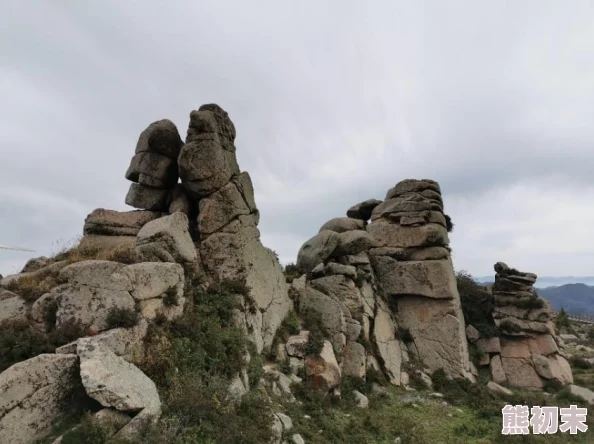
(392, 235)
(34, 395)
(317, 249)
(431, 279)
(167, 240)
(117, 223)
(160, 137)
(220, 208)
(362, 210)
(94, 288)
(323, 369)
(437, 326)
(147, 198)
(12, 306)
(342, 224)
(388, 346)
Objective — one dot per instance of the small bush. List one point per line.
(170, 299)
(229, 287)
(19, 341)
(477, 305)
(289, 327)
(449, 223)
(68, 331)
(122, 318)
(533, 302)
(32, 287)
(89, 431)
(312, 321)
(508, 326)
(292, 272)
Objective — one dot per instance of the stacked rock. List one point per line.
(227, 236)
(153, 168)
(528, 352)
(368, 281)
(412, 264)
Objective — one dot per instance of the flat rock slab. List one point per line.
(114, 382)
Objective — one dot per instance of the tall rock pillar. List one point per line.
(414, 272)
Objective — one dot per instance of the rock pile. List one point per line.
(386, 290)
(528, 352)
(153, 168)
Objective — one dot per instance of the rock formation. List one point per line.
(527, 353)
(386, 290)
(153, 168)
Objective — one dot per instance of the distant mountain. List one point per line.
(574, 298)
(548, 281)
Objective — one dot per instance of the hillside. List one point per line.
(574, 298)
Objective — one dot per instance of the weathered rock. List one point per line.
(542, 366)
(412, 253)
(361, 400)
(153, 170)
(33, 396)
(353, 360)
(12, 306)
(353, 329)
(147, 198)
(160, 137)
(220, 208)
(209, 120)
(584, 393)
(431, 279)
(342, 290)
(35, 264)
(496, 388)
(353, 242)
(153, 279)
(392, 235)
(181, 202)
(437, 327)
(330, 311)
(52, 268)
(490, 345)
(205, 166)
(497, 372)
(323, 369)
(93, 289)
(114, 382)
(412, 186)
(317, 249)
(117, 223)
(125, 342)
(362, 210)
(104, 242)
(333, 268)
(166, 240)
(342, 224)
(560, 369)
(389, 348)
(296, 344)
(521, 373)
(472, 334)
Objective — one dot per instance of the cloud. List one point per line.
(334, 103)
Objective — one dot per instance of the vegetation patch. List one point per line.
(477, 305)
(118, 317)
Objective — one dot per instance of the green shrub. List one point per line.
(562, 320)
(292, 272)
(477, 305)
(32, 287)
(68, 331)
(122, 318)
(289, 327)
(312, 322)
(533, 302)
(89, 431)
(19, 341)
(449, 223)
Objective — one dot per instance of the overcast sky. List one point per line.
(334, 102)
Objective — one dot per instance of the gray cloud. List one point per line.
(334, 103)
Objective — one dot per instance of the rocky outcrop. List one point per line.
(94, 288)
(226, 235)
(526, 354)
(385, 290)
